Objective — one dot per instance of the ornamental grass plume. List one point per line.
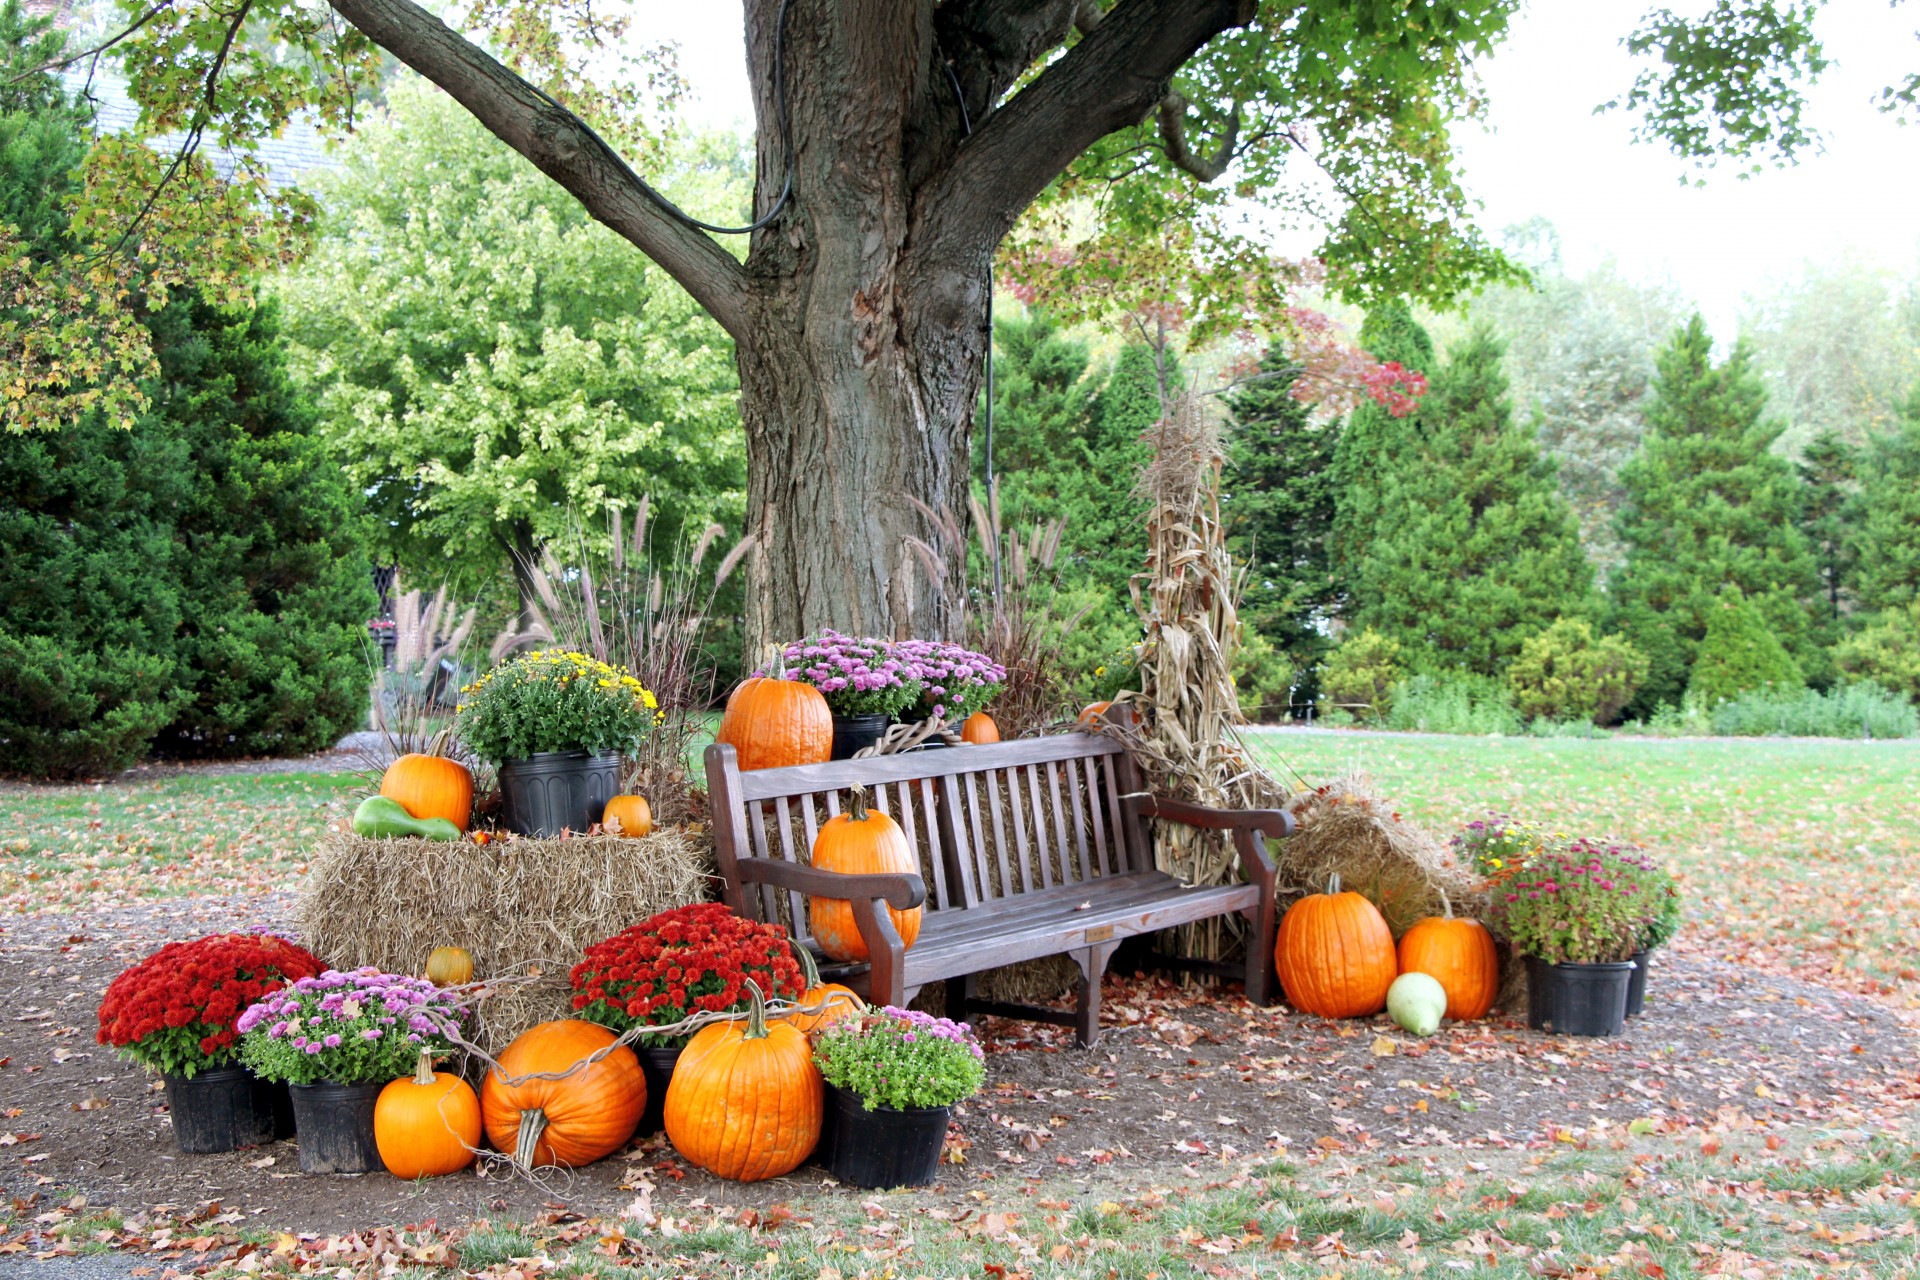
(901, 1059)
(692, 959)
(176, 1012)
(348, 1028)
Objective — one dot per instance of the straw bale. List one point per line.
(525, 908)
(1346, 828)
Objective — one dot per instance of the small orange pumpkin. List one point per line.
(979, 728)
(426, 1124)
(1092, 713)
(858, 842)
(430, 785)
(450, 966)
(833, 1000)
(629, 816)
(746, 1100)
(570, 1121)
(1460, 955)
(1335, 955)
(772, 723)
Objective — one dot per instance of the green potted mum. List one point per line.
(555, 723)
(893, 1077)
(1577, 914)
(1660, 920)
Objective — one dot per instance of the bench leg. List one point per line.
(961, 993)
(1263, 982)
(1086, 992)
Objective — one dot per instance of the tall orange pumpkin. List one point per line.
(772, 723)
(979, 728)
(858, 842)
(1460, 955)
(746, 1100)
(1335, 955)
(571, 1121)
(426, 1124)
(830, 1000)
(430, 785)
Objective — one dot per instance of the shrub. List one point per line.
(1850, 711)
(1360, 674)
(1262, 677)
(1740, 653)
(1564, 673)
(1454, 702)
(1886, 652)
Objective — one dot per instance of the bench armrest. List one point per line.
(901, 890)
(1269, 822)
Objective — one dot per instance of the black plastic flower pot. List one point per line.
(854, 733)
(1637, 985)
(883, 1147)
(225, 1109)
(656, 1065)
(554, 791)
(1578, 999)
(335, 1123)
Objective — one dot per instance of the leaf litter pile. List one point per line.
(1757, 1121)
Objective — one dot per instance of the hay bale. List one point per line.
(525, 908)
(1346, 828)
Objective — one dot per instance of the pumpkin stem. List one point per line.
(809, 970)
(441, 744)
(423, 1069)
(857, 804)
(756, 1012)
(1446, 903)
(533, 1125)
(1333, 883)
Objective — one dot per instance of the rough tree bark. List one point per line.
(860, 313)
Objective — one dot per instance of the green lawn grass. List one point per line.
(1794, 852)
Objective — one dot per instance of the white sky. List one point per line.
(1545, 153)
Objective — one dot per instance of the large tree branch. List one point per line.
(1115, 76)
(1173, 137)
(559, 146)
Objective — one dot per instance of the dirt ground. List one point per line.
(1184, 1081)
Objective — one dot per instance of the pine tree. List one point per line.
(1887, 517)
(1475, 548)
(1372, 437)
(273, 572)
(1829, 469)
(1708, 506)
(1739, 654)
(1279, 506)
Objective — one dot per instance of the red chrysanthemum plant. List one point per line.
(681, 962)
(174, 1012)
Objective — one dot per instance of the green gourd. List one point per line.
(378, 818)
(1417, 1002)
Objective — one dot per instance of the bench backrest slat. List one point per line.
(986, 821)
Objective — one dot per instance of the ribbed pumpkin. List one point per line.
(979, 728)
(858, 842)
(1460, 955)
(1335, 955)
(835, 1001)
(633, 814)
(426, 1124)
(772, 723)
(449, 966)
(746, 1099)
(429, 785)
(573, 1121)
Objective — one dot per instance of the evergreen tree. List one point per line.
(1739, 654)
(1279, 506)
(1475, 549)
(273, 571)
(1372, 437)
(1829, 469)
(1887, 517)
(1708, 505)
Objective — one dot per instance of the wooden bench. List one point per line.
(1031, 848)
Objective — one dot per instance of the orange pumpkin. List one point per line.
(1092, 713)
(629, 816)
(858, 842)
(429, 785)
(833, 1000)
(571, 1121)
(1335, 955)
(1460, 955)
(745, 1100)
(771, 723)
(426, 1124)
(980, 728)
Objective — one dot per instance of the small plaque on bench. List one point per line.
(1100, 934)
